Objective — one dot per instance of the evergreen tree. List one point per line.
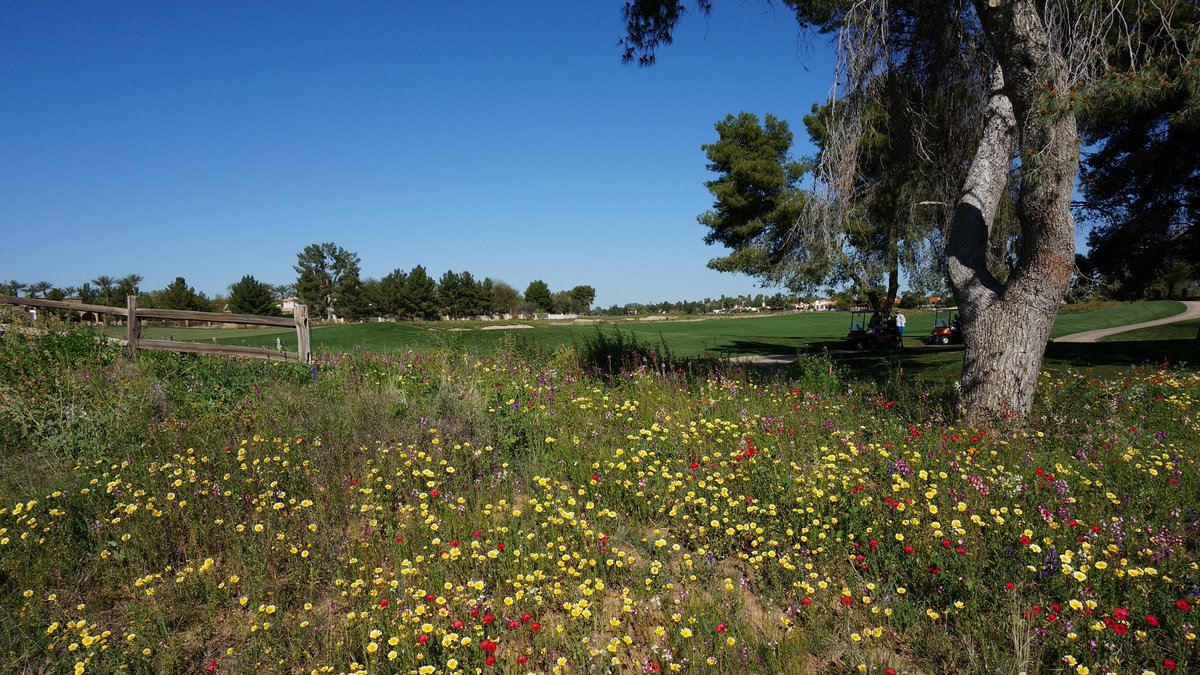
(250, 296)
(757, 192)
(326, 271)
(389, 294)
(178, 295)
(538, 293)
(420, 299)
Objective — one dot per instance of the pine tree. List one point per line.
(250, 296)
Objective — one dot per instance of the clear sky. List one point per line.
(216, 139)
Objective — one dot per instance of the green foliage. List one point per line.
(910, 300)
(504, 298)
(614, 351)
(1141, 175)
(460, 296)
(250, 296)
(419, 299)
(328, 280)
(757, 194)
(582, 298)
(178, 295)
(539, 294)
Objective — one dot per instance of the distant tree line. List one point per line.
(329, 282)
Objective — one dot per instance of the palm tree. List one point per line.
(105, 285)
(13, 286)
(128, 284)
(39, 288)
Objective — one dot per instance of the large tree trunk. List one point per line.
(1006, 325)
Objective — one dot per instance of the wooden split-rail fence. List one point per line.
(134, 315)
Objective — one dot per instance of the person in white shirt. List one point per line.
(900, 321)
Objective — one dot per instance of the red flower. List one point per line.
(1183, 605)
(488, 646)
(1120, 629)
(806, 601)
(1151, 620)
(889, 671)
(457, 625)
(212, 666)
(488, 618)
(434, 492)
(526, 617)
(423, 638)
(1025, 540)
(847, 601)
(514, 624)
(383, 603)
(1120, 614)
(399, 538)
(501, 546)
(908, 549)
(476, 534)
(522, 659)
(535, 626)
(490, 660)
(453, 543)
(1010, 585)
(720, 628)
(1168, 664)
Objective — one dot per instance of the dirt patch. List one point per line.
(507, 326)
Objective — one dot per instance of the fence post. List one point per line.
(132, 327)
(302, 334)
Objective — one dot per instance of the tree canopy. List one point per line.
(1000, 80)
(538, 293)
(251, 296)
(328, 278)
(757, 194)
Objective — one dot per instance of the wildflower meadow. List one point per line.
(523, 512)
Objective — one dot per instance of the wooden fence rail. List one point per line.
(134, 315)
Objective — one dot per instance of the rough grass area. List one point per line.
(435, 511)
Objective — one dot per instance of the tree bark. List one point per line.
(1006, 325)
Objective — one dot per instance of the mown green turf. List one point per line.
(1183, 330)
(1119, 315)
(733, 336)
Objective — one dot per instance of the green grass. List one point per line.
(1183, 330)
(1119, 315)
(736, 336)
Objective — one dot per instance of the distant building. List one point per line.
(823, 304)
(288, 305)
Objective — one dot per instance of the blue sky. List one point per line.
(217, 139)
